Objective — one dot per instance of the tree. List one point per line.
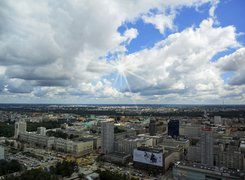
(8, 167)
(7, 129)
(66, 168)
(38, 174)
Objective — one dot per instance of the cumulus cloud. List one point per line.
(181, 64)
(160, 21)
(130, 34)
(59, 49)
(234, 63)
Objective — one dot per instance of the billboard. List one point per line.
(146, 157)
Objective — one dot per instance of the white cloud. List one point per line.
(56, 49)
(130, 34)
(234, 63)
(214, 5)
(160, 21)
(181, 64)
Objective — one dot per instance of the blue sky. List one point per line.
(183, 52)
(228, 12)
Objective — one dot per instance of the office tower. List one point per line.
(152, 127)
(1, 152)
(207, 146)
(41, 130)
(107, 132)
(173, 128)
(20, 126)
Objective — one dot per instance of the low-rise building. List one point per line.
(155, 139)
(129, 144)
(185, 143)
(150, 159)
(80, 147)
(170, 158)
(118, 158)
(126, 134)
(37, 139)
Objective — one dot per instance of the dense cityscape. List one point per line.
(77, 142)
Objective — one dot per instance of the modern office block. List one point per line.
(152, 127)
(173, 128)
(207, 146)
(107, 133)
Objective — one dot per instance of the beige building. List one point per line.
(185, 143)
(129, 144)
(170, 158)
(65, 145)
(82, 147)
(37, 139)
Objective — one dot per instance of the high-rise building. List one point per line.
(1, 152)
(152, 127)
(173, 128)
(207, 146)
(107, 133)
(20, 126)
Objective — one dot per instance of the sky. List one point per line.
(122, 51)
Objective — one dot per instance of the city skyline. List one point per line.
(122, 52)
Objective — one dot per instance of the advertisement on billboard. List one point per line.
(148, 157)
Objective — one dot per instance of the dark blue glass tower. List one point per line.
(173, 128)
